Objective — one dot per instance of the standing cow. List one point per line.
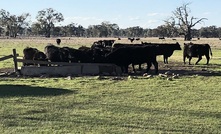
(125, 56)
(165, 49)
(196, 50)
(58, 41)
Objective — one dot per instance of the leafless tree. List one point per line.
(182, 18)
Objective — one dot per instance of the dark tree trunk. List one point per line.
(188, 35)
(48, 32)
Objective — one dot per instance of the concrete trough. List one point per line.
(77, 69)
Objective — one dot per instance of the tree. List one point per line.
(36, 29)
(1, 31)
(47, 18)
(135, 31)
(12, 23)
(181, 17)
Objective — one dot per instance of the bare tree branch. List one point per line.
(200, 20)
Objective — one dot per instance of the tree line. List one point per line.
(178, 25)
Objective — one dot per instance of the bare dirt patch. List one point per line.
(172, 67)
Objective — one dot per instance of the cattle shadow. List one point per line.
(27, 91)
(189, 70)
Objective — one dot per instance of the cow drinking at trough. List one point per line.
(196, 50)
(56, 54)
(125, 56)
(33, 54)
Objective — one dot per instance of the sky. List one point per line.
(125, 13)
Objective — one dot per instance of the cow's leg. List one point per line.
(200, 58)
(148, 66)
(139, 66)
(190, 60)
(207, 58)
(126, 69)
(155, 63)
(122, 69)
(184, 59)
(165, 59)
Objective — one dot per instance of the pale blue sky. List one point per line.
(125, 13)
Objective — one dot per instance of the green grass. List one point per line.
(88, 105)
(189, 104)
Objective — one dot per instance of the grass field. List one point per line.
(188, 104)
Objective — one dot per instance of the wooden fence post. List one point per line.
(15, 60)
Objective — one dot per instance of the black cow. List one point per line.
(79, 55)
(125, 56)
(103, 43)
(137, 39)
(108, 43)
(84, 48)
(162, 38)
(97, 44)
(120, 45)
(56, 54)
(165, 49)
(131, 39)
(58, 41)
(33, 54)
(40, 56)
(196, 50)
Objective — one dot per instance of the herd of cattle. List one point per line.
(123, 55)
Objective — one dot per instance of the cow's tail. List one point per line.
(210, 51)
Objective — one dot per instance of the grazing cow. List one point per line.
(131, 39)
(196, 50)
(165, 49)
(125, 56)
(162, 38)
(137, 39)
(58, 41)
(33, 54)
